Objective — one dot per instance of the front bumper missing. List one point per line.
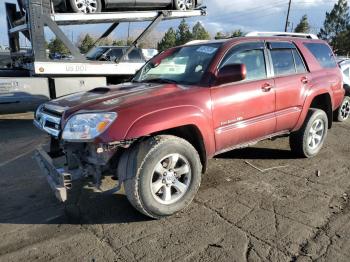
(59, 180)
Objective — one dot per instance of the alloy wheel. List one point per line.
(86, 6)
(345, 110)
(171, 179)
(185, 4)
(316, 134)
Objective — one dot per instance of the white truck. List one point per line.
(34, 78)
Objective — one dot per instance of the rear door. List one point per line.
(244, 111)
(291, 82)
(120, 3)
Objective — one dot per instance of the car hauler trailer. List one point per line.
(33, 78)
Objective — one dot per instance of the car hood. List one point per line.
(112, 98)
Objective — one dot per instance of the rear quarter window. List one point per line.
(323, 54)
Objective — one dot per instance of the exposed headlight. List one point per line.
(87, 126)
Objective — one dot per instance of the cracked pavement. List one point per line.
(299, 212)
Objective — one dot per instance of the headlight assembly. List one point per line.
(87, 126)
(38, 110)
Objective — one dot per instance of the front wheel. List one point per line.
(164, 175)
(184, 5)
(343, 113)
(86, 6)
(308, 141)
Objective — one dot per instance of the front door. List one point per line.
(244, 111)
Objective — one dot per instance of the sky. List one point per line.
(223, 15)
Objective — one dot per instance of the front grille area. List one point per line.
(51, 112)
(48, 119)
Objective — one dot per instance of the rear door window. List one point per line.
(115, 54)
(286, 59)
(323, 54)
(283, 62)
(135, 55)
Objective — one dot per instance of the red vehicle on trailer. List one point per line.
(187, 105)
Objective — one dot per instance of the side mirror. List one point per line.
(231, 73)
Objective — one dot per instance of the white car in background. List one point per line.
(149, 53)
(343, 113)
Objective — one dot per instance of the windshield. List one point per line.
(96, 53)
(183, 65)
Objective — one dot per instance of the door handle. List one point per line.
(304, 80)
(266, 87)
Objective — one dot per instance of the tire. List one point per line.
(184, 5)
(95, 6)
(343, 112)
(148, 190)
(303, 142)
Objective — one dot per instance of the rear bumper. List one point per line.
(59, 180)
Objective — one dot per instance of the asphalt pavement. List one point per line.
(255, 204)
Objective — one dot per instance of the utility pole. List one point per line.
(128, 34)
(287, 20)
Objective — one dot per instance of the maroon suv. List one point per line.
(188, 104)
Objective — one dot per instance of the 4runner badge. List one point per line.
(231, 121)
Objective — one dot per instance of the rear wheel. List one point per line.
(308, 141)
(86, 6)
(343, 113)
(184, 5)
(164, 175)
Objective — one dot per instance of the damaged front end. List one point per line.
(68, 161)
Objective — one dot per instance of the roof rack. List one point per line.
(286, 34)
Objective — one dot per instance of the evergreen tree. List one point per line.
(86, 44)
(56, 46)
(129, 41)
(108, 41)
(168, 41)
(199, 32)
(341, 44)
(226, 35)
(221, 35)
(337, 21)
(303, 26)
(237, 33)
(183, 33)
(118, 43)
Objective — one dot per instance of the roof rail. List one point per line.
(257, 33)
(194, 42)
